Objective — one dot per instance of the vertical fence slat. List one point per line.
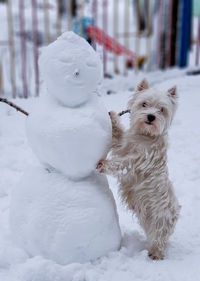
(94, 14)
(23, 46)
(126, 33)
(69, 14)
(81, 17)
(59, 17)
(174, 32)
(169, 37)
(148, 33)
(159, 35)
(46, 22)
(198, 43)
(184, 38)
(105, 6)
(163, 35)
(11, 48)
(115, 31)
(167, 33)
(35, 44)
(137, 39)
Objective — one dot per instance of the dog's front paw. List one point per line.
(101, 166)
(113, 116)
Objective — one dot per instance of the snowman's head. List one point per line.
(71, 69)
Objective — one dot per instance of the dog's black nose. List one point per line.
(151, 117)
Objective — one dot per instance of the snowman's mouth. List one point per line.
(79, 83)
(74, 81)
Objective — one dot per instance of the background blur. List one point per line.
(130, 35)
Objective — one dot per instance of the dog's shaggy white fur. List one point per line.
(139, 160)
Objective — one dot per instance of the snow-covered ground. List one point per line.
(131, 261)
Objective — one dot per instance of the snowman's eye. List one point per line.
(76, 73)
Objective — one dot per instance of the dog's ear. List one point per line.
(140, 87)
(143, 85)
(172, 94)
(172, 91)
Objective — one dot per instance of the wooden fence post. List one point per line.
(198, 43)
(46, 22)
(159, 35)
(35, 44)
(105, 6)
(115, 31)
(11, 48)
(94, 15)
(59, 17)
(168, 35)
(81, 16)
(138, 34)
(69, 14)
(126, 33)
(23, 46)
(148, 33)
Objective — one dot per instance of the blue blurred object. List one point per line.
(185, 32)
(80, 27)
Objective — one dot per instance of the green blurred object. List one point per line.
(196, 7)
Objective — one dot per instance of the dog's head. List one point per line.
(152, 111)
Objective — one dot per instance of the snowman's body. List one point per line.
(71, 140)
(63, 220)
(64, 210)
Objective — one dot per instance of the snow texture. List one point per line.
(131, 261)
(63, 220)
(71, 69)
(71, 140)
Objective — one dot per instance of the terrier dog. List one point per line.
(139, 161)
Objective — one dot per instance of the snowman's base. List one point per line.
(63, 220)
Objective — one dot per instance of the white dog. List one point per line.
(139, 160)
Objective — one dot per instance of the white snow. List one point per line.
(63, 220)
(131, 261)
(71, 140)
(71, 57)
(68, 213)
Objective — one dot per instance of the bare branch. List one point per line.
(14, 106)
(26, 113)
(124, 112)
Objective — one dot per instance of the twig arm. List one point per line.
(26, 113)
(124, 112)
(14, 106)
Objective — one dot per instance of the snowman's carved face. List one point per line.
(72, 72)
(79, 69)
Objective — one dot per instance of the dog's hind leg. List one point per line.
(157, 248)
(158, 235)
(157, 243)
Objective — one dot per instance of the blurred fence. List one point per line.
(138, 35)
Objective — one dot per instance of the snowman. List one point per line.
(63, 209)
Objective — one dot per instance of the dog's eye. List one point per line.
(162, 109)
(144, 104)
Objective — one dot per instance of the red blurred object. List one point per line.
(109, 43)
